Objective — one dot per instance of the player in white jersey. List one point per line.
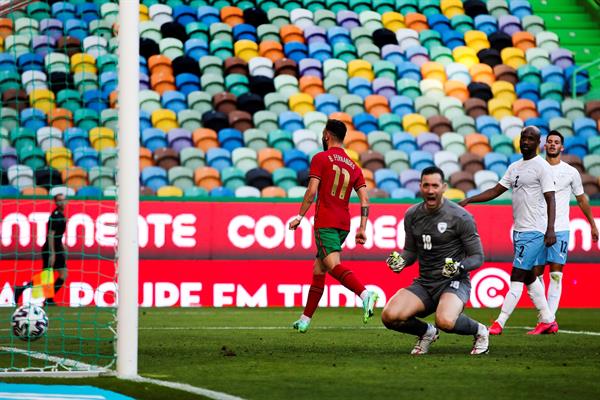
(567, 181)
(533, 205)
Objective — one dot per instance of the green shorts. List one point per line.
(329, 240)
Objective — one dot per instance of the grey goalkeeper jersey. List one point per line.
(448, 232)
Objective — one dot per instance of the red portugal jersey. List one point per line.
(338, 175)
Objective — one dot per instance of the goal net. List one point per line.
(58, 136)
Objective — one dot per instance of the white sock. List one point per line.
(481, 330)
(364, 294)
(510, 302)
(554, 291)
(304, 318)
(536, 293)
(541, 279)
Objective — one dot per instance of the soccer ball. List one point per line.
(29, 322)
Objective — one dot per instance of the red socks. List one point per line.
(347, 278)
(314, 295)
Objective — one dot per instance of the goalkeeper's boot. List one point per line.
(369, 305)
(301, 325)
(423, 342)
(49, 302)
(481, 343)
(495, 329)
(544, 327)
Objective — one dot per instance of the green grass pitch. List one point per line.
(252, 353)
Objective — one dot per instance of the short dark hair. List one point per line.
(337, 128)
(557, 133)
(432, 171)
(534, 130)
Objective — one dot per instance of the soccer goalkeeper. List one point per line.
(443, 237)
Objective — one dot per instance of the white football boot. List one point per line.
(423, 342)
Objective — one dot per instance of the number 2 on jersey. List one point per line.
(336, 181)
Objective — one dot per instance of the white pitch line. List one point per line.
(211, 394)
(285, 328)
(230, 328)
(257, 328)
(59, 360)
(586, 333)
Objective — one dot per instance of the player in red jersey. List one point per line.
(333, 175)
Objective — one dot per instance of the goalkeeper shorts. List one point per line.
(431, 292)
(329, 240)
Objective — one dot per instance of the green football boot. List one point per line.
(301, 325)
(369, 305)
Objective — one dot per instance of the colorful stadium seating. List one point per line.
(234, 99)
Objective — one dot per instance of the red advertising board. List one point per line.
(268, 283)
(241, 254)
(245, 231)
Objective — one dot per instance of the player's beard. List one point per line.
(325, 147)
(551, 155)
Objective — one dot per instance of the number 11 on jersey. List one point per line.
(336, 181)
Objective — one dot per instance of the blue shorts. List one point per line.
(557, 253)
(528, 246)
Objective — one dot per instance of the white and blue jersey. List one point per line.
(529, 180)
(567, 181)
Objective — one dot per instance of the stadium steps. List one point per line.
(577, 24)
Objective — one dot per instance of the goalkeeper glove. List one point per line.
(452, 268)
(396, 262)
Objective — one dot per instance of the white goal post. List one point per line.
(128, 189)
(41, 359)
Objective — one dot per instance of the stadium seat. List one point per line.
(233, 178)
(411, 180)
(166, 158)
(420, 160)
(485, 180)
(255, 139)
(462, 180)
(247, 192)
(259, 178)
(372, 160)
(270, 159)
(447, 162)
(591, 162)
(471, 162)
(576, 146)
